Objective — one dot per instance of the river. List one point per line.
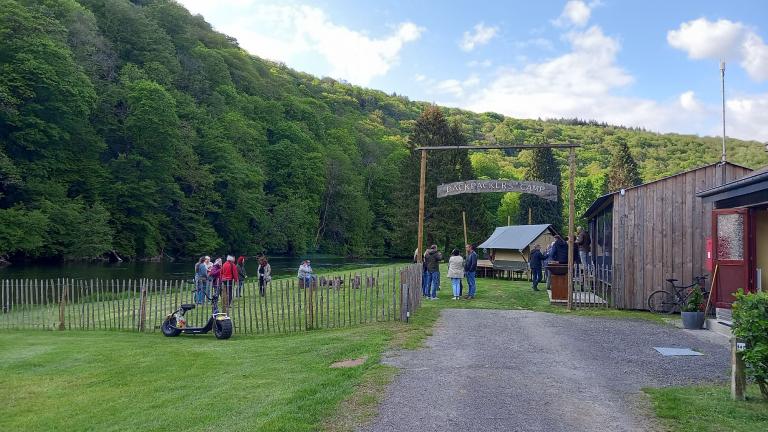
(281, 266)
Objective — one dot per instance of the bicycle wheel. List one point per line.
(662, 302)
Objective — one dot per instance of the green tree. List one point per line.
(543, 168)
(623, 169)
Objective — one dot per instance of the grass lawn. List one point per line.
(709, 409)
(99, 380)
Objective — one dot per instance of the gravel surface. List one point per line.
(490, 370)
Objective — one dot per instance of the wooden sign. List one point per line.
(544, 190)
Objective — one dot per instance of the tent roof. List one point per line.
(516, 237)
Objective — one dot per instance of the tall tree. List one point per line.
(543, 168)
(623, 171)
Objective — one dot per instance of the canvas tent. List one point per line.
(510, 246)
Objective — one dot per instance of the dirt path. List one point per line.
(489, 370)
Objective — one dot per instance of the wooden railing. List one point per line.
(340, 300)
(592, 287)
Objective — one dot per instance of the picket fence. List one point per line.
(333, 301)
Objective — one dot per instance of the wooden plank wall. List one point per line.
(660, 232)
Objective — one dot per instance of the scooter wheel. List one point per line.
(168, 328)
(223, 329)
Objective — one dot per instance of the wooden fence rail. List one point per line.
(335, 301)
(592, 287)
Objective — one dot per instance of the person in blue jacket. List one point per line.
(470, 270)
(536, 261)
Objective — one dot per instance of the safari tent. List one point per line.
(509, 247)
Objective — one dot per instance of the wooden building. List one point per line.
(658, 230)
(739, 223)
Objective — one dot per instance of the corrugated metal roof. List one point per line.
(516, 237)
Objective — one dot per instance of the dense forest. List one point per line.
(132, 128)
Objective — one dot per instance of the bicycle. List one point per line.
(661, 301)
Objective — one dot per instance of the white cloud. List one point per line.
(575, 13)
(419, 77)
(482, 35)
(477, 63)
(747, 117)
(538, 43)
(723, 39)
(287, 32)
(689, 102)
(582, 83)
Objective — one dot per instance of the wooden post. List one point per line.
(464, 217)
(310, 305)
(509, 220)
(571, 210)
(143, 306)
(62, 306)
(422, 189)
(738, 375)
(711, 291)
(530, 216)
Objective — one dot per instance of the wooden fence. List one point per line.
(592, 288)
(339, 300)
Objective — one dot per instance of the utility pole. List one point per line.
(722, 91)
(571, 210)
(422, 189)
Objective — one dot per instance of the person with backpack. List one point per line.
(229, 277)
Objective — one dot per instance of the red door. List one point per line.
(732, 230)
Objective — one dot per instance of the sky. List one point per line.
(652, 63)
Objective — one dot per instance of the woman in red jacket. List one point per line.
(229, 277)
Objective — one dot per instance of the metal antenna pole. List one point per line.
(722, 91)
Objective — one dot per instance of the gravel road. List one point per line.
(491, 370)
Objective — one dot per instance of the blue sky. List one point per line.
(652, 63)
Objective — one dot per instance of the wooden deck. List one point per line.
(581, 298)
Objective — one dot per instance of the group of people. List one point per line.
(458, 269)
(557, 252)
(228, 275)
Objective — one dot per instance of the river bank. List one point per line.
(281, 266)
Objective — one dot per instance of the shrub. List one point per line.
(750, 319)
(695, 300)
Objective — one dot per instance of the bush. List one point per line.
(695, 300)
(750, 325)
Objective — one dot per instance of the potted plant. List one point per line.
(693, 317)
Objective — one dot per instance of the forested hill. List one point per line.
(132, 126)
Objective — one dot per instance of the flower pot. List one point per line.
(693, 320)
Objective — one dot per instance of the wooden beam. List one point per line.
(422, 189)
(464, 217)
(493, 147)
(571, 210)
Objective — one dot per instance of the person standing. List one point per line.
(201, 281)
(432, 261)
(229, 277)
(242, 275)
(470, 271)
(584, 242)
(425, 281)
(535, 261)
(305, 273)
(214, 276)
(265, 275)
(456, 272)
(559, 251)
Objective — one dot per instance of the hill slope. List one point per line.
(132, 126)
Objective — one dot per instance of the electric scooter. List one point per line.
(221, 324)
